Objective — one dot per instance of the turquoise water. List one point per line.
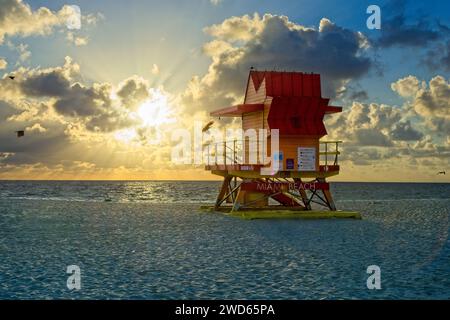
(150, 241)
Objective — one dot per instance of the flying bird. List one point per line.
(12, 77)
(20, 133)
(441, 172)
(208, 126)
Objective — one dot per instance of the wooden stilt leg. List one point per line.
(223, 191)
(239, 200)
(303, 195)
(328, 197)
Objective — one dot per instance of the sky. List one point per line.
(101, 101)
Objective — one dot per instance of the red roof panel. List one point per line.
(292, 84)
(237, 110)
(297, 116)
(297, 106)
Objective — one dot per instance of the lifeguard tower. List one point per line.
(292, 103)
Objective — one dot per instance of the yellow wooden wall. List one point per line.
(253, 96)
(289, 146)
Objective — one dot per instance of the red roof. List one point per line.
(291, 84)
(297, 106)
(298, 115)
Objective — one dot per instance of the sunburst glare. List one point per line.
(156, 110)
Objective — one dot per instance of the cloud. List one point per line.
(269, 42)
(58, 90)
(155, 69)
(68, 123)
(432, 104)
(40, 82)
(47, 83)
(71, 124)
(78, 100)
(426, 109)
(77, 40)
(397, 29)
(429, 101)
(23, 54)
(358, 95)
(418, 129)
(133, 92)
(400, 29)
(434, 100)
(28, 111)
(237, 28)
(406, 87)
(35, 128)
(3, 63)
(438, 58)
(365, 124)
(371, 137)
(17, 18)
(403, 131)
(395, 32)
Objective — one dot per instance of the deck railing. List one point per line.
(329, 152)
(225, 152)
(234, 152)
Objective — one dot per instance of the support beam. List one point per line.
(328, 197)
(303, 194)
(223, 191)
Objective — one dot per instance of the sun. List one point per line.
(152, 114)
(156, 110)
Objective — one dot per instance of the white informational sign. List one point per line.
(307, 159)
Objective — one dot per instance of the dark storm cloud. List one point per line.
(71, 98)
(438, 58)
(358, 95)
(361, 155)
(6, 110)
(49, 84)
(91, 105)
(396, 32)
(331, 50)
(399, 29)
(403, 131)
(84, 101)
(371, 137)
(34, 147)
(274, 42)
(133, 91)
(109, 121)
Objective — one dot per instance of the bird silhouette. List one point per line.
(12, 77)
(208, 126)
(20, 133)
(441, 172)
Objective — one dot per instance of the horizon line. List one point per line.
(192, 180)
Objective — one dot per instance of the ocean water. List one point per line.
(149, 240)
